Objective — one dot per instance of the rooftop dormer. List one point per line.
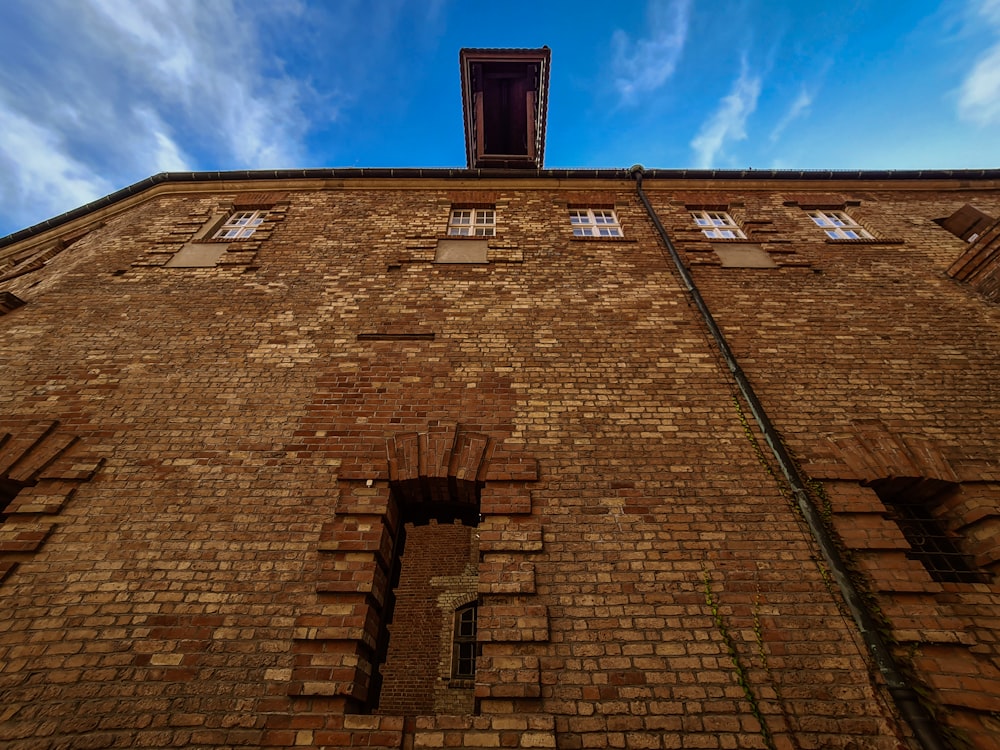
(504, 100)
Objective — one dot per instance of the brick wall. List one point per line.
(645, 581)
(438, 573)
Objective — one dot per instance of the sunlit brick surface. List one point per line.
(221, 578)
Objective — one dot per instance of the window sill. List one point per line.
(866, 241)
(574, 238)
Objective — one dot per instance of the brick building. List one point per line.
(504, 456)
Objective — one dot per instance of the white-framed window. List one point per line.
(838, 225)
(240, 225)
(473, 222)
(718, 225)
(594, 222)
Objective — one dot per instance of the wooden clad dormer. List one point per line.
(504, 99)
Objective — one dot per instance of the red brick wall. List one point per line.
(650, 586)
(438, 572)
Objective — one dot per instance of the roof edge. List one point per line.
(457, 173)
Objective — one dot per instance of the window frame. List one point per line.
(472, 221)
(595, 223)
(715, 224)
(838, 225)
(243, 223)
(462, 643)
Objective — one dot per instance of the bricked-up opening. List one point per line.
(434, 572)
(912, 502)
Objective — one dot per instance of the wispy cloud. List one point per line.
(798, 108)
(202, 60)
(122, 85)
(728, 122)
(645, 64)
(979, 94)
(37, 170)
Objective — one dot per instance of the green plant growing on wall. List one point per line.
(742, 677)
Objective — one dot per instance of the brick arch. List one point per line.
(447, 463)
(440, 472)
(872, 472)
(872, 452)
(446, 452)
(41, 467)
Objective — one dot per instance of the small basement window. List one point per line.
(911, 503)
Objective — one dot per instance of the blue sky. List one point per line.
(98, 94)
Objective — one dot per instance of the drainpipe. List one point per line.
(907, 701)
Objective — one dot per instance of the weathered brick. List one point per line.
(223, 458)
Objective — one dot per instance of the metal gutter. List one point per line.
(338, 173)
(907, 700)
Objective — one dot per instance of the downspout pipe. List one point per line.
(925, 729)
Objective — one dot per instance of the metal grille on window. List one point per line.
(932, 545)
(594, 222)
(463, 664)
(910, 502)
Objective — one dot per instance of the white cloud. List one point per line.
(646, 64)
(47, 180)
(990, 10)
(979, 94)
(164, 154)
(728, 122)
(204, 58)
(798, 108)
(96, 95)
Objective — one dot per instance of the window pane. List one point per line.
(595, 222)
